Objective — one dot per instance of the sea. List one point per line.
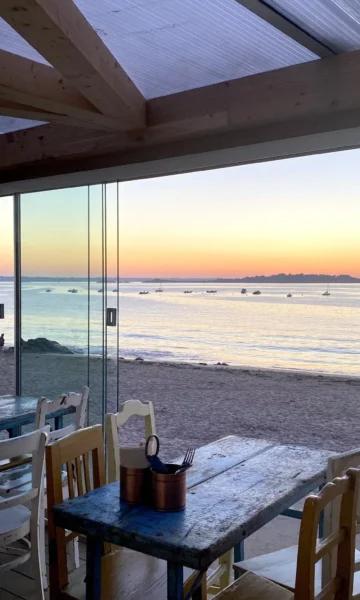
(211, 323)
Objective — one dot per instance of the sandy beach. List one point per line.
(195, 404)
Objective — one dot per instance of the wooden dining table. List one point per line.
(236, 486)
(17, 411)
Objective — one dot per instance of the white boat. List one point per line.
(326, 293)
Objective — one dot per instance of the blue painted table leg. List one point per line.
(14, 431)
(239, 553)
(175, 581)
(93, 568)
(59, 422)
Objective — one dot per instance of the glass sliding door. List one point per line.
(70, 324)
(7, 289)
(54, 291)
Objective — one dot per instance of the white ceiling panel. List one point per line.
(9, 124)
(167, 46)
(335, 23)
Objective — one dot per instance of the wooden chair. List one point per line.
(344, 490)
(113, 423)
(280, 566)
(125, 573)
(21, 515)
(79, 401)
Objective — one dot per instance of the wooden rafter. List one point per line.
(62, 35)
(304, 100)
(31, 90)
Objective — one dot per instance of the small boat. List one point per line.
(187, 291)
(159, 290)
(326, 293)
(256, 293)
(73, 291)
(243, 291)
(100, 290)
(115, 291)
(289, 295)
(143, 293)
(211, 291)
(48, 290)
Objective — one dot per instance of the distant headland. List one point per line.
(276, 278)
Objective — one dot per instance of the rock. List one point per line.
(44, 346)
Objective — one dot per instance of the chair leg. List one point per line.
(73, 553)
(37, 557)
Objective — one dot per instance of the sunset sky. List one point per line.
(295, 215)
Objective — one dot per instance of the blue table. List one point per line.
(235, 487)
(16, 411)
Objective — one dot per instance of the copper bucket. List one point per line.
(169, 490)
(134, 485)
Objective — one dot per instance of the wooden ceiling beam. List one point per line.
(304, 100)
(30, 90)
(62, 35)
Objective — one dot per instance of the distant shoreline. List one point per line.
(277, 278)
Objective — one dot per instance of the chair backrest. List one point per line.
(82, 454)
(114, 422)
(33, 444)
(340, 585)
(79, 401)
(337, 466)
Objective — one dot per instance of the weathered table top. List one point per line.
(235, 486)
(20, 410)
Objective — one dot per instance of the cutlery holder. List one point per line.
(168, 491)
(134, 484)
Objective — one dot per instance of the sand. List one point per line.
(196, 404)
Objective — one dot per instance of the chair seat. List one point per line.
(18, 480)
(253, 587)
(13, 518)
(280, 567)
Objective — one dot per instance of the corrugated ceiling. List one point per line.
(168, 46)
(8, 124)
(335, 23)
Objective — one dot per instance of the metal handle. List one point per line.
(111, 317)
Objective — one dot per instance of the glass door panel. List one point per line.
(54, 289)
(7, 355)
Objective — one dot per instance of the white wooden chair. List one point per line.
(280, 566)
(21, 515)
(18, 479)
(344, 491)
(79, 401)
(113, 424)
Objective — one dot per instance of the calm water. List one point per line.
(308, 331)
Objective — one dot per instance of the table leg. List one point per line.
(14, 431)
(59, 422)
(175, 581)
(94, 547)
(239, 554)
